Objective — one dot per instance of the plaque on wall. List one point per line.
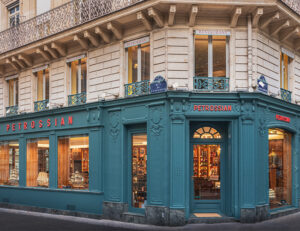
(158, 85)
(262, 84)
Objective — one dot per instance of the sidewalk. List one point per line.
(17, 220)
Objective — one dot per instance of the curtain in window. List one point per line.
(32, 164)
(63, 162)
(4, 163)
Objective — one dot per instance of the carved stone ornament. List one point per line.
(155, 118)
(114, 119)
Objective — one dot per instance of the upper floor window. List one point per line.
(42, 84)
(78, 74)
(285, 62)
(211, 55)
(14, 14)
(13, 95)
(138, 60)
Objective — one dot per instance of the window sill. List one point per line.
(53, 189)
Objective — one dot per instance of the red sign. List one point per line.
(40, 123)
(283, 118)
(212, 107)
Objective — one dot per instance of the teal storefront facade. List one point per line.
(171, 123)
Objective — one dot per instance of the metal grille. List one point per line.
(286, 95)
(211, 83)
(77, 99)
(137, 88)
(59, 19)
(41, 105)
(12, 110)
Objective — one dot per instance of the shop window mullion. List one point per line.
(79, 77)
(139, 69)
(227, 57)
(210, 56)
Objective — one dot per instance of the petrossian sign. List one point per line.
(209, 107)
(46, 123)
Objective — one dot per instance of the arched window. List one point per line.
(207, 133)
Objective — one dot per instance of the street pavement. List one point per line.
(17, 220)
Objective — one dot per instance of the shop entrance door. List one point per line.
(207, 171)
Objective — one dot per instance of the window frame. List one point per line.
(15, 14)
(79, 87)
(15, 91)
(285, 71)
(44, 84)
(210, 52)
(136, 43)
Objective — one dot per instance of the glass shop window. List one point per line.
(73, 162)
(13, 94)
(37, 173)
(9, 163)
(78, 72)
(138, 60)
(211, 56)
(139, 170)
(285, 62)
(42, 85)
(280, 168)
(14, 14)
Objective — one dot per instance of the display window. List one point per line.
(280, 168)
(139, 170)
(9, 163)
(37, 173)
(73, 162)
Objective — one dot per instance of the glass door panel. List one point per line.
(206, 172)
(139, 171)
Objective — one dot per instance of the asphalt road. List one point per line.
(15, 220)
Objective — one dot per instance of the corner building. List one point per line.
(87, 128)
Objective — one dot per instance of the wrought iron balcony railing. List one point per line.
(12, 110)
(76, 99)
(59, 19)
(41, 105)
(211, 83)
(286, 95)
(137, 88)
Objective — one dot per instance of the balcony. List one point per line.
(41, 105)
(286, 95)
(77, 99)
(12, 110)
(62, 18)
(211, 84)
(137, 88)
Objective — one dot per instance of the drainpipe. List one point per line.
(250, 59)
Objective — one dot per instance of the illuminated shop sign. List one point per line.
(283, 118)
(45, 123)
(212, 107)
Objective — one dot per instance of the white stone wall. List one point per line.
(178, 62)
(58, 87)
(268, 62)
(25, 91)
(297, 78)
(159, 53)
(104, 72)
(2, 97)
(241, 60)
